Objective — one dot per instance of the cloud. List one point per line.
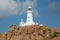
(12, 7)
(8, 7)
(54, 7)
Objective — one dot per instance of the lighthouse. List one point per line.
(30, 16)
(29, 20)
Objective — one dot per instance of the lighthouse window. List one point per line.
(28, 20)
(29, 8)
(28, 17)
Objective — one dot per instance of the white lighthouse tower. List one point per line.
(30, 16)
(29, 20)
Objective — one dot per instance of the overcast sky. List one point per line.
(46, 12)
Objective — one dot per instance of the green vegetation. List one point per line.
(39, 34)
(44, 31)
(55, 34)
(16, 29)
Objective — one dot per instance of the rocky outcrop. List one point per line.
(34, 32)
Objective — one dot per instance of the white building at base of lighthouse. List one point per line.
(29, 20)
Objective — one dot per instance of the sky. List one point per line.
(46, 12)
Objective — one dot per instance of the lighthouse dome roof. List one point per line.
(29, 7)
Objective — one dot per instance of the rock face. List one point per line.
(33, 32)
